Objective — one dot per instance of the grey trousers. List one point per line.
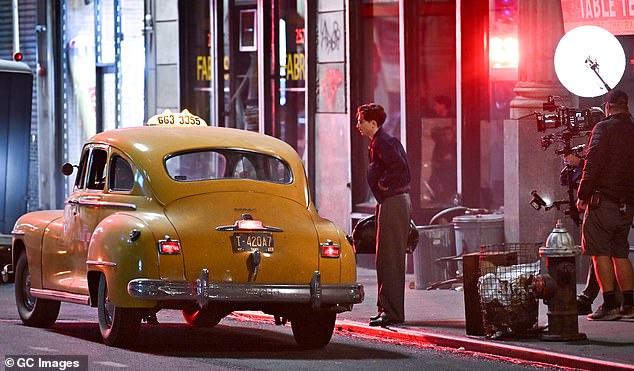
(392, 230)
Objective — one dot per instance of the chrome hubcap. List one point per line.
(29, 301)
(108, 309)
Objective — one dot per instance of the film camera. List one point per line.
(576, 123)
(574, 119)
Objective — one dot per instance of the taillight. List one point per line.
(330, 249)
(169, 246)
(249, 224)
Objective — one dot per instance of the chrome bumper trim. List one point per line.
(100, 263)
(60, 296)
(204, 291)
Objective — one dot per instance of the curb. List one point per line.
(420, 337)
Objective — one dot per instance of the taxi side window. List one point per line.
(121, 177)
(97, 170)
(81, 172)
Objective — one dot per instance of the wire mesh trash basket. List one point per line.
(507, 292)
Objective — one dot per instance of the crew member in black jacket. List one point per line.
(389, 180)
(606, 192)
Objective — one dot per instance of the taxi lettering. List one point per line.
(168, 118)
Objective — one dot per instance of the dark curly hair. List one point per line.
(372, 111)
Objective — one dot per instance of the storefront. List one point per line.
(296, 70)
(248, 72)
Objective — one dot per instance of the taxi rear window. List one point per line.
(227, 164)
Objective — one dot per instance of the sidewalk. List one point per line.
(438, 317)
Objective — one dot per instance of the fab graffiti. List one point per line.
(203, 68)
(294, 66)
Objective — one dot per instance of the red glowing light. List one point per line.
(330, 250)
(504, 52)
(250, 224)
(169, 247)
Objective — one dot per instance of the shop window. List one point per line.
(378, 63)
(430, 68)
(195, 59)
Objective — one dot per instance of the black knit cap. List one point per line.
(617, 98)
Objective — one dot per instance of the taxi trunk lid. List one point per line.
(206, 227)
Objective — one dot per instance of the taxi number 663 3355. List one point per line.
(253, 241)
(180, 119)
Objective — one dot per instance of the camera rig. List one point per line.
(576, 123)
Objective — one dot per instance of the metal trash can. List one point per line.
(473, 231)
(435, 241)
(506, 286)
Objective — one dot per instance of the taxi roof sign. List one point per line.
(169, 118)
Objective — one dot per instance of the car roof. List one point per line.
(148, 146)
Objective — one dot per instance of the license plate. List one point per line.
(253, 241)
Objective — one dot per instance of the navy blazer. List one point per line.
(387, 164)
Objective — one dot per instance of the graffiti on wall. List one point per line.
(330, 38)
(331, 71)
(331, 88)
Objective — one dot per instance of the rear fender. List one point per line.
(121, 258)
(335, 270)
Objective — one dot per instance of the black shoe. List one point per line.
(584, 305)
(378, 315)
(382, 320)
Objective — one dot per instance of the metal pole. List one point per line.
(216, 12)
(402, 79)
(16, 28)
(118, 38)
(458, 100)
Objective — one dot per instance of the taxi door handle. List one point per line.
(90, 200)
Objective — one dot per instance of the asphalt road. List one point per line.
(233, 344)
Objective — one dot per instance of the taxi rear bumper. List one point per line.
(203, 291)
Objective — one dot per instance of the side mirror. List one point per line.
(67, 169)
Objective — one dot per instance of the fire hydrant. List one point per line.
(558, 288)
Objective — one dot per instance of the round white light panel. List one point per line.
(589, 43)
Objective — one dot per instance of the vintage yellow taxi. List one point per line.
(181, 215)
